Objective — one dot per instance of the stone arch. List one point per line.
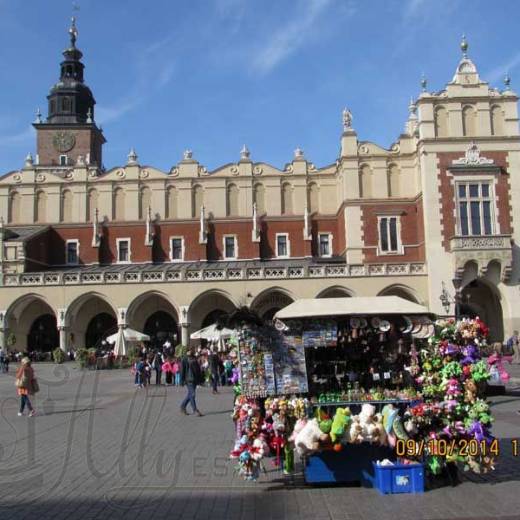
(171, 202)
(497, 120)
(67, 203)
(118, 212)
(268, 302)
(394, 174)
(336, 291)
(480, 297)
(441, 122)
(145, 200)
(259, 197)
(197, 200)
(287, 198)
(155, 314)
(82, 311)
(232, 200)
(92, 204)
(13, 211)
(469, 121)
(403, 291)
(314, 198)
(207, 302)
(21, 316)
(365, 181)
(40, 210)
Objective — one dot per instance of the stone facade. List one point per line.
(436, 212)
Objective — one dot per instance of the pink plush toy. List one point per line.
(298, 427)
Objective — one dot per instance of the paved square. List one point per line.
(99, 448)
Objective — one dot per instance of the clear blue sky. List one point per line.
(210, 75)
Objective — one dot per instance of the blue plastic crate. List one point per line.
(399, 478)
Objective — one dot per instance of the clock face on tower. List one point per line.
(63, 141)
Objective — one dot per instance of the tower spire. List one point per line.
(73, 32)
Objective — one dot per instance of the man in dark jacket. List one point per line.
(191, 376)
(213, 362)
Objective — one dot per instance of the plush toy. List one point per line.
(379, 436)
(340, 423)
(356, 430)
(470, 355)
(298, 427)
(470, 391)
(389, 413)
(324, 421)
(399, 429)
(366, 420)
(309, 437)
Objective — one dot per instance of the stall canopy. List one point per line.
(129, 335)
(212, 333)
(363, 305)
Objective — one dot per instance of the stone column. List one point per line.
(63, 338)
(3, 330)
(185, 325)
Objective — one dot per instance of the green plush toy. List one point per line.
(340, 422)
(480, 372)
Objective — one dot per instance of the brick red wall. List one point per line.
(412, 231)
(447, 197)
(327, 225)
(87, 141)
(135, 232)
(243, 230)
(193, 251)
(295, 230)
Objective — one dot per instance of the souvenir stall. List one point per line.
(364, 389)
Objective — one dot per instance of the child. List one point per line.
(139, 373)
(167, 368)
(176, 368)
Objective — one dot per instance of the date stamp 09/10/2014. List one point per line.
(451, 447)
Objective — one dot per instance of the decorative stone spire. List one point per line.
(89, 116)
(298, 154)
(38, 119)
(96, 234)
(507, 81)
(187, 155)
(306, 224)
(29, 161)
(149, 233)
(132, 157)
(255, 234)
(203, 238)
(244, 153)
(411, 124)
(424, 82)
(464, 47)
(347, 120)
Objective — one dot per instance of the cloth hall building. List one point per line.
(434, 219)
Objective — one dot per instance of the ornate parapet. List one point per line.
(482, 250)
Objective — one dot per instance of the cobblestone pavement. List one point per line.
(101, 449)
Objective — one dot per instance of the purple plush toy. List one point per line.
(470, 355)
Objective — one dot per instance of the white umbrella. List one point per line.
(120, 346)
(129, 334)
(212, 333)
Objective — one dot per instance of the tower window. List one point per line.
(65, 104)
(63, 160)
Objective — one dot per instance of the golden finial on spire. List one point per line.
(464, 46)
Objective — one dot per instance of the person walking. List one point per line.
(191, 376)
(27, 385)
(213, 363)
(2, 359)
(513, 344)
(157, 366)
(167, 368)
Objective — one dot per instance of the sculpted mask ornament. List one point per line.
(63, 141)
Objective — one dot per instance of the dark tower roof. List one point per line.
(70, 100)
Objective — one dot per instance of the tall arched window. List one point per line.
(197, 200)
(66, 206)
(314, 201)
(497, 121)
(394, 189)
(145, 199)
(13, 213)
(41, 207)
(287, 196)
(171, 202)
(365, 182)
(92, 204)
(259, 198)
(118, 212)
(441, 122)
(232, 200)
(469, 121)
